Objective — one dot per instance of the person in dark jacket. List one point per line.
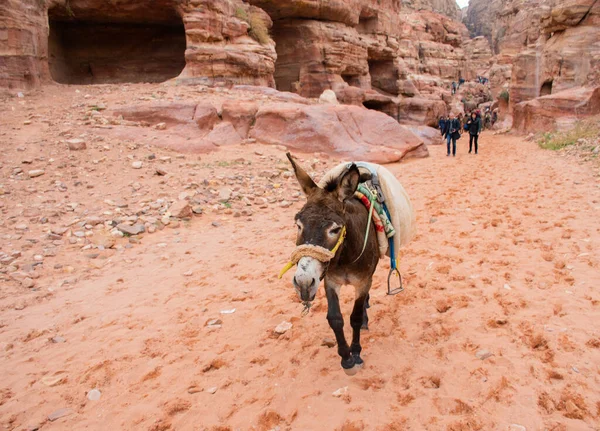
(451, 133)
(442, 124)
(473, 125)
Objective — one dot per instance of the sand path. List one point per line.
(506, 261)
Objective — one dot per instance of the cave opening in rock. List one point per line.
(367, 24)
(351, 80)
(384, 76)
(387, 107)
(290, 51)
(141, 44)
(546, 88)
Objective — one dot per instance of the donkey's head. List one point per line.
(320, 223)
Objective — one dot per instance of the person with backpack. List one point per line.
(453, 87)
(494, 117)
(451, 133)
(473, 126)
(442, 124)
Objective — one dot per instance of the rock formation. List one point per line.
(444, 7)
(541, 47)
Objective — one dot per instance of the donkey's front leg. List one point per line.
(336, 321)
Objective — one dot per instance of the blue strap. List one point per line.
(391, 241)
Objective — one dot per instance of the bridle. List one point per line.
(316, 252)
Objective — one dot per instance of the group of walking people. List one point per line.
(453, 127)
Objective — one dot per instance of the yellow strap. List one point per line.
(286, 268)
(334, 250)
(340, 241)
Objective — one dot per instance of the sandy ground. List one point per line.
(505, 265)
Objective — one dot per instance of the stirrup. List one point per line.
(396, 290)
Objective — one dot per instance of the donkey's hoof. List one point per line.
(352, 371)
(365, 326)
(358, 361)
(348, 363)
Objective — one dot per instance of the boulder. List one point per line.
(206, 116)
(420, 111)
(240, 114)
(169, 113)
(345, 131)
(557, 111)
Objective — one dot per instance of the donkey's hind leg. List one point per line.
(358, 319)
(365, 321)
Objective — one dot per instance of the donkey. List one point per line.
(321, 222)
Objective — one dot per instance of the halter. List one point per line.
(314, 251)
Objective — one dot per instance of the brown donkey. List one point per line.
(327, 214)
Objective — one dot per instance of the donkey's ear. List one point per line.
(348, 183)
(306, 182)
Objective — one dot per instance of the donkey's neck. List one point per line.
(356, 218)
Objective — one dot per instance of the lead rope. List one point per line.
(371, 201)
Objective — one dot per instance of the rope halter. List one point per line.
(314, 251)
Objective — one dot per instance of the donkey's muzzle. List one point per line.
(306, 291)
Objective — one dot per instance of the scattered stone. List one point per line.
(181, 209)
(212, 390)
(161, 126)
(216, 224)
(136, 229)
(228, 311)
(283, 327)
(433, 220)
(28, 283)
(36, 173)
(197, 209)
(21, 226)
(76, 144)
(137, 164)
(507, 287)
(188, 273)
(103, 239)
(328, 97)
(285, 204)
(94, 395)
(34, 427)
(194, 389)
(214, 323)
(60, 413)
(328, 342)
(340, 392)
(160, 172)
(224, 194)
(58, 339)
(483, 354)
(516, 427)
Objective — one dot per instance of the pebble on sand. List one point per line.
(340, 392)
(212, 390)
(136, 229)
(76, 144)
(137, 165)
(483, 354)
(94, 395)
(283, 327)
(60, 413)
(36, 173)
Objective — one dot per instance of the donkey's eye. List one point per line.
(335, 231)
